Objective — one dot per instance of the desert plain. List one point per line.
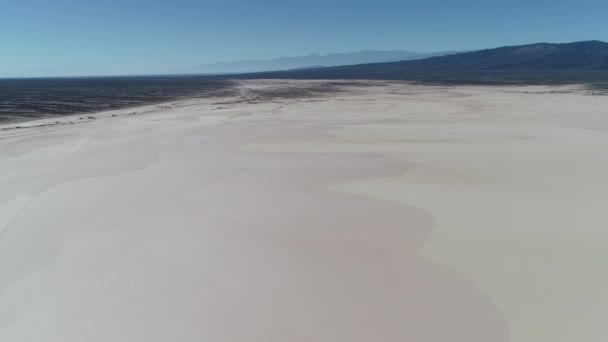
(373, 211)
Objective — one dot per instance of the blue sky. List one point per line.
(137, 36)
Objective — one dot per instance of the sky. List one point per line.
(57, 37)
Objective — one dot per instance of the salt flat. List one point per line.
(388, 212)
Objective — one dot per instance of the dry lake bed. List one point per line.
(372, 211)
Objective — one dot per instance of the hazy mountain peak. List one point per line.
(305, 62)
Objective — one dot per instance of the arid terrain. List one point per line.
(311, 211)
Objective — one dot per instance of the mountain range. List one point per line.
(542, 62)
(308, 62)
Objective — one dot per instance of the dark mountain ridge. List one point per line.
(579, 55)
(539, 63)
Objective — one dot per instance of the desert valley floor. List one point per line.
(378, 212)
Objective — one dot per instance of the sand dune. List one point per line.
(390, 212)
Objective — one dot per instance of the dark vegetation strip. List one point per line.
(26, 99)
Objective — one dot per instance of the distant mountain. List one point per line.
(580, 55)
(307, 62)
(534, 62)
(309, 67)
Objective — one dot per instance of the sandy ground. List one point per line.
(391, 213)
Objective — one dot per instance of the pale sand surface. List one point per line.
(392, 213)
